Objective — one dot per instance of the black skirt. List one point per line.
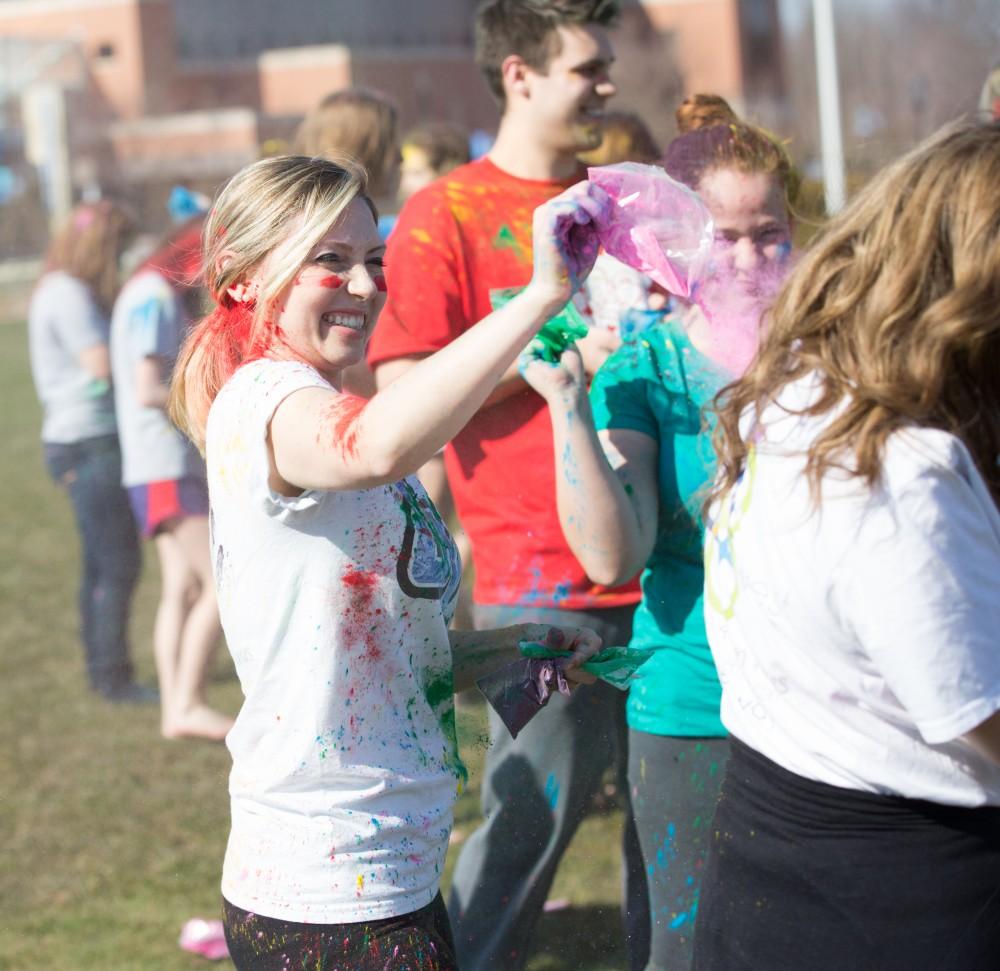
(804, 875)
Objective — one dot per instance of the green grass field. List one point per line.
(111, 836)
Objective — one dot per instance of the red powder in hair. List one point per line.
(178, 260)
(233, 337)
(340, 423)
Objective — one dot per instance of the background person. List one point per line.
(165, 478)
(633, 461)
(625, 137)
(458, 242)
(429, 151)
(68, 330)
(361, 124)
(336, 576)
(852, 593)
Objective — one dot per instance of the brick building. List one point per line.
(147, 92)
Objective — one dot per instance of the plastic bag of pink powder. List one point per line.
(656, 225)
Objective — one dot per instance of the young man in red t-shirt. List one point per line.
(457, 243)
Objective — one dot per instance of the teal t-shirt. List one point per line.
(658, 386)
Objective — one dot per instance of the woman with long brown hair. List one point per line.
(68, 330)
(853, 591)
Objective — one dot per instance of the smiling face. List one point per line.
(328, 312)
(566, 99)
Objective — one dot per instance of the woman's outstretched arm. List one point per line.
(324, 440)
(476, 653)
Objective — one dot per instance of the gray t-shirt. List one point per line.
(63, 321)
(148, 320)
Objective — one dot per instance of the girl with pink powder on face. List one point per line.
(632, 459)
(336, 577)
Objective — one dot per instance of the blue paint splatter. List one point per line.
(552, 791)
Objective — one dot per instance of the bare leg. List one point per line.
(175, 580)
(188, 648)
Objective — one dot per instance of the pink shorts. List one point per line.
(155, 503)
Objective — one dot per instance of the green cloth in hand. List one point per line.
(558, 332)
(616, 665)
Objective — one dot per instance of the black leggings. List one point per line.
(420, 941)
(803, 875)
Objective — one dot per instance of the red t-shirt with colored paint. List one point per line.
(464, 235)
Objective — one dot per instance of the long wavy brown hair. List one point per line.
(896, 308)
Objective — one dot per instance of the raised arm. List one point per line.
(324, 440)
(606, 483)
(595, 349)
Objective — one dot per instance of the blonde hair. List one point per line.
(89, 247)
(445, 145)
(276, 209)
(625, 138)
(356, 123)
(895, 308)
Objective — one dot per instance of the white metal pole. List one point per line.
(831, 138)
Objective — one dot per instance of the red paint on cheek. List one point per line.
(380, 284)
(339, 427)
(330, 282)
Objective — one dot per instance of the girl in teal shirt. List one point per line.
(632, 462)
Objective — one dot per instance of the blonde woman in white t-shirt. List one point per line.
(853, 592)
(336, 576)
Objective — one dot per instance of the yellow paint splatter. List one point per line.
(361, 882)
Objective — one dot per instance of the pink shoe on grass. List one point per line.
(205, 938)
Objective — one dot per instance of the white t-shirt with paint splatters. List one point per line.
(335, 607)
(857, 644)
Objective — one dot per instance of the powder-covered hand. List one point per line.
(565, 241)
(554, 381)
